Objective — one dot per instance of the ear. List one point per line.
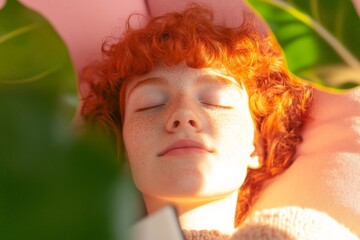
(257, 156)
(255, 160)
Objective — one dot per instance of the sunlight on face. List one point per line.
(188, 132)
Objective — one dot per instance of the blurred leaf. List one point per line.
(316, 36)
(53, 184)
(35, 61)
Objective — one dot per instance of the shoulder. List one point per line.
(204, 235)
(325, 172)
(291, 223)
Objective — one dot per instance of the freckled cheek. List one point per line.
(139, 135)
(234, 132)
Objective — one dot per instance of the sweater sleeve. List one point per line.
(291, 223)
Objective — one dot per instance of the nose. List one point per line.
(184, 118)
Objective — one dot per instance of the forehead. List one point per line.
(181, 73)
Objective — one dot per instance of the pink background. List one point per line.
(325, 175)
(84, 24)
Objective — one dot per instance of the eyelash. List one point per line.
(148, 108)
(217, 106)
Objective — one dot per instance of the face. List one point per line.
(188, 132)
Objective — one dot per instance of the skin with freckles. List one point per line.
(195, 132)
(188, 98)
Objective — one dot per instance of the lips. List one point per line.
(185, 146)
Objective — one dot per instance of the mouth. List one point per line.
(185, 146)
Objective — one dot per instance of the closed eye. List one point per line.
(149, 107)
(219, 106)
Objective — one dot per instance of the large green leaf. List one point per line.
(53, 184)
(34, 60)
(319, 38)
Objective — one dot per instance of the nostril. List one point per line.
(176, 123)
(183, 120)
(192, 123)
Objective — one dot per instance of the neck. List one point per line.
(214, 214)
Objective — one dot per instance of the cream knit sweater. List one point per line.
(282, 224)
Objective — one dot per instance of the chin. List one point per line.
(185, 185)
(198, 190)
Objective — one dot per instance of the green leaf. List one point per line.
(53, 183)
(319, 38)
(34, 61)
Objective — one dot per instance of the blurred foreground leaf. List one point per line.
(319, 38)
(34, 61)
(53, 184)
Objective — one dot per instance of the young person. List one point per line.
(206, 114)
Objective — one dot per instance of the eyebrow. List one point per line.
(152, 80)
(206, 78)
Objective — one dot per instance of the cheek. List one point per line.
(234, 133)
(138, 134)
(233, 136)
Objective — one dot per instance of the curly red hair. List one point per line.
(278, 101)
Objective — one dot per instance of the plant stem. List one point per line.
(348, 58)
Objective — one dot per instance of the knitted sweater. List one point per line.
(282, 224)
